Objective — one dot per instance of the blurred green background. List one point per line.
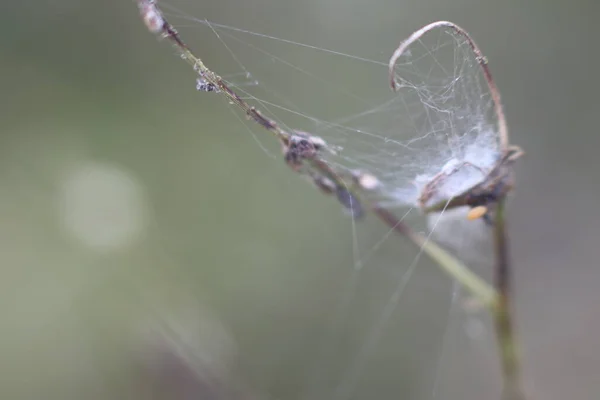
(197, 266)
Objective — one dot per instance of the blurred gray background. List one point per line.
(198, 264)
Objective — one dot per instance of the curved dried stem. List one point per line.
(483, 63)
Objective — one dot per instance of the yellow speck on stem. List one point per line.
(476, 213)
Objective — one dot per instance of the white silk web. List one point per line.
(440, 121)
(439, 126)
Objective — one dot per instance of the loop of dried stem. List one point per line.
(481, 59)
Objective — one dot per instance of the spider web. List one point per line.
(441, 119)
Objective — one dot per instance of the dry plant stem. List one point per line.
(499, 302)
(503, 312)
(152, 16)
